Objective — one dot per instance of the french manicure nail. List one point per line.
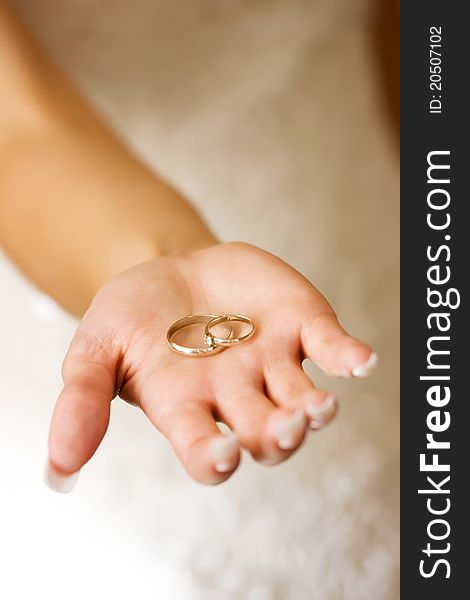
(223, 467)
(289, 430)
(59, 482)
(366, 369)
(224, 451)
(321, 414)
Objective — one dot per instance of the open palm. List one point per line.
(258, 389)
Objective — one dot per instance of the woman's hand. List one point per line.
(258, 389)
(93, 209)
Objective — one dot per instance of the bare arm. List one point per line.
(76, 207)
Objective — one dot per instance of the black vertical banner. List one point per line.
(435, 257)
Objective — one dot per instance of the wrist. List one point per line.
(130, 248)
(185, 235)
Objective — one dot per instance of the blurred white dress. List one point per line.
(266, 115)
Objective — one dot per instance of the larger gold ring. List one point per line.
(210, 347)
(230, 341)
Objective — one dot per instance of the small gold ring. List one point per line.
(229, 341)
(210, 346)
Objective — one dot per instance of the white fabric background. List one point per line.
(266, 115)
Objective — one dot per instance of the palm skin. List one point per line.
(258, 389)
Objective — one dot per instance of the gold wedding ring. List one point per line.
(212, 343)
(209, 346)
(230, 341)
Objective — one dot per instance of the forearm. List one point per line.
(76, 207)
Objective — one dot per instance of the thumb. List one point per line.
(80, 417)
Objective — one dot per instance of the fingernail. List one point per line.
(224, 451)
(366, 369)
(289, 431)
(321, 414)
(223, 467)
(59, 482)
